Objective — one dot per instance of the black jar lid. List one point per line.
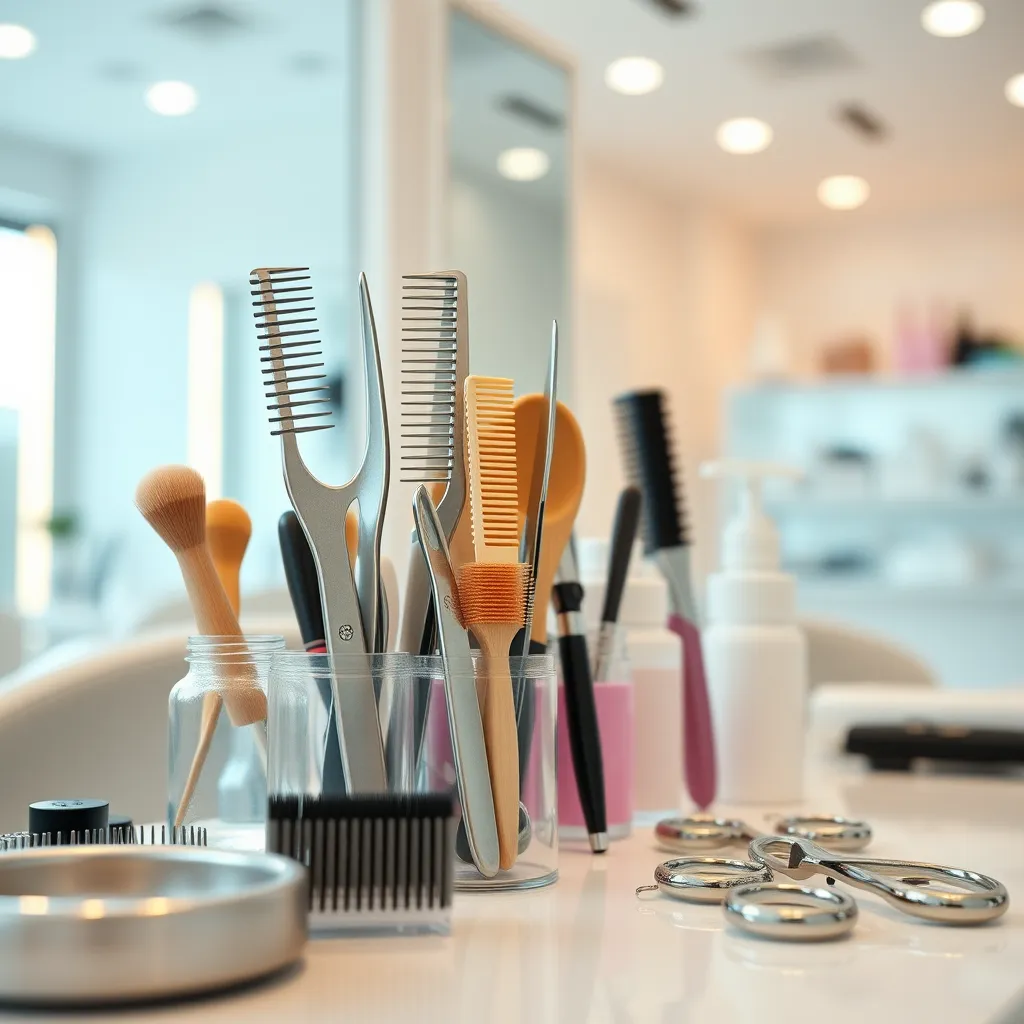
(60, 819)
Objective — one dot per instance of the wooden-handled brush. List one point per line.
(492, 590)
(172, 499)
(228, 530)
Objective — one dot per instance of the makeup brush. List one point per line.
(492, 589)
(172, 499)
(228, 529)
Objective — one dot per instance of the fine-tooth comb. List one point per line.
(374, 861)
(435, 364)
(113, 835)
(351, 600)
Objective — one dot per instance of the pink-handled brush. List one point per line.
(644, 432)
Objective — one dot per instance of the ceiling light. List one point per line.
(844, 192)
(172, 99)
(523, 163)
(951, 18)
(744, 135)
(15, 42)
(1015, 90)
(633, 76)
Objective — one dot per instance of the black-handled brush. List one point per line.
(624, 530)
(644, 433)
(300, 573)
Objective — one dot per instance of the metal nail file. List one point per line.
(460, 691)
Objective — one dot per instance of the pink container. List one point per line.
(615, 724)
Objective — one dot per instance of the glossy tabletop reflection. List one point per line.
(587, 949)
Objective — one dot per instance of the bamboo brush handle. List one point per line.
(245, 701)
(499, 722)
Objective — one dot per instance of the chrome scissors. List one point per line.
(702, 832)
(970, 897)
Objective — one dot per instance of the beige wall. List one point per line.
(664, 300)
(848, 274)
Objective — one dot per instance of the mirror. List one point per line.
(161, 150)
(508, 199)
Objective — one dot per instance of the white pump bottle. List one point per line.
(755, 655)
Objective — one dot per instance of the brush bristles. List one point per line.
(172, 499)
(647, 454)
(493, 592)
(433, 309)
(493, 471)
(228, 529)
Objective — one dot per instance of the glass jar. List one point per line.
(416, 735)
(217, 740)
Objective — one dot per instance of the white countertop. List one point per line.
(586, 949)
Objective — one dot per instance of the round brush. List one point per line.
(172, 499)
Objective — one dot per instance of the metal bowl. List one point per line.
(89, 925)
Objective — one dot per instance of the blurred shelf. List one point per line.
(814, 504)
(875, 589)
(1004, 377)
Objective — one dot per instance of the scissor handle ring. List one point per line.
(831, 831)
(707, 879)
(698, 833)
(796, 913)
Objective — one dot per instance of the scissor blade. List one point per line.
(533, 528)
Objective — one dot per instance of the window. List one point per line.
(28, 286)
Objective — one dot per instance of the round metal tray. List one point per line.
(93, 925)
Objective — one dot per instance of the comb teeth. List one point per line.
(647, 454)
(290, 347)
(430, 311)
(493, 474)
(386, 854)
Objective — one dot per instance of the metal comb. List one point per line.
(351, 600)
(112, 835)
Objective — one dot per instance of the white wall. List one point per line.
(158, 223)
(664, 301)
(847, 276)
(513, 251)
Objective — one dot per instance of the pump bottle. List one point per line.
(755, 654)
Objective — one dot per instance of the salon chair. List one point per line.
(839, 654)
(90, 720)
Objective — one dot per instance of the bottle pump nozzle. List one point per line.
(750, 541)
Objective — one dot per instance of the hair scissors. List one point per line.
(970, 898)
(701, 832)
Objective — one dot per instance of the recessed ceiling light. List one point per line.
(744, 135)
(951, 18)
(1015, 90)
(844, 192)
(634, 76)
(172, 99)
(15, 42)
(523, 163)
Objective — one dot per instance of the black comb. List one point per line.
(649, 463)
(376, 855)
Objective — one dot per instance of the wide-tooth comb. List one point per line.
(433, 318)
(650, 466)
(291, 344)
(491, 436)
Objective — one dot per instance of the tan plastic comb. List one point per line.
(492, 590)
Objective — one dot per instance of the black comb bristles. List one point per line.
(388, 852)
(647, 454)
(282, 295)
(430, 315)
